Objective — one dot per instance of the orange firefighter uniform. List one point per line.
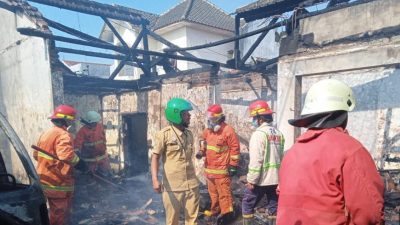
(222, 152)
(56, 176)
(91, 142)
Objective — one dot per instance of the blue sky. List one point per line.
(92, 24)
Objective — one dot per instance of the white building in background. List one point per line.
(190, 23)
(88, 68)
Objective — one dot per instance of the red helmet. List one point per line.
(259, 107)
(215, 111)
(64, 112)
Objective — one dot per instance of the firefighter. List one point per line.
(265, 152)
(174, 145)
(56, 176)
(90, 142)
(327, 176)
(222, 159)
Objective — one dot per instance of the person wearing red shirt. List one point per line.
(328, 177)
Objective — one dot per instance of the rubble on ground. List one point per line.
(96, 203)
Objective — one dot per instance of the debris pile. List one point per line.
(392, 196)
(97, 203)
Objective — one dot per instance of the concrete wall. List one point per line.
(369, 64)
(83, 104)
(25, 79)
(199, 35)
(234, 94)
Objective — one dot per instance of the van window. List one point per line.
(12, 172)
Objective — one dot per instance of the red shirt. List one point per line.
(329, 178)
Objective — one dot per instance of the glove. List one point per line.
(81, 166)
(199, 155)
(232, 170)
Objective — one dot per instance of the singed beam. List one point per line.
(116, 33)
(221, 42)
(38, 33)
(118, 69)
(169, 44)
(97, 9)
(72, 31)
(33, 32)
(89, 53)
(257, 42)
(237, 46)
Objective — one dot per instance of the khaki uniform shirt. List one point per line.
(176, 149)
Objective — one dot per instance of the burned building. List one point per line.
(353, 41)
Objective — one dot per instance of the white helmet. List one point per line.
(92, 117)
(328, 95)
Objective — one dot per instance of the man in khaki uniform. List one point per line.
(174, 145)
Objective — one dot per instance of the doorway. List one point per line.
(135, 147)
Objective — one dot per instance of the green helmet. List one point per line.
(92, 117)
(174, 108)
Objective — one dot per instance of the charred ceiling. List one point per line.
(147, 60)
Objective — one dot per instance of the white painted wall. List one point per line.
(181, 34)
(177, 36)
(25, 79)
(368, 66)
(198, 35)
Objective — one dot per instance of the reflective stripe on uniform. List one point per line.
(235, 157)
(248, 216)
(265, 167)
(216, 171)
(217, 149)
(75, 160)
(95, 159)
(89, 144)
(58, 188)
(42, 155)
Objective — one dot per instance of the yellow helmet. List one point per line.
(328, 95)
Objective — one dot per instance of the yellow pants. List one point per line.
(174, 201)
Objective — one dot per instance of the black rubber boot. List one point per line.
(225, 218)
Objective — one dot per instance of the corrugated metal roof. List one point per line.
(197, 11)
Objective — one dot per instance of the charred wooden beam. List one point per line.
(169, 44)
(116, 33)
(118, 69)
(256, 43)
(89, 53)
(221, 42)
(85, 84)
(126, 51)
(146, 58)
(38, 33)
(97, 9)
(72, 31)
(237, 42)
